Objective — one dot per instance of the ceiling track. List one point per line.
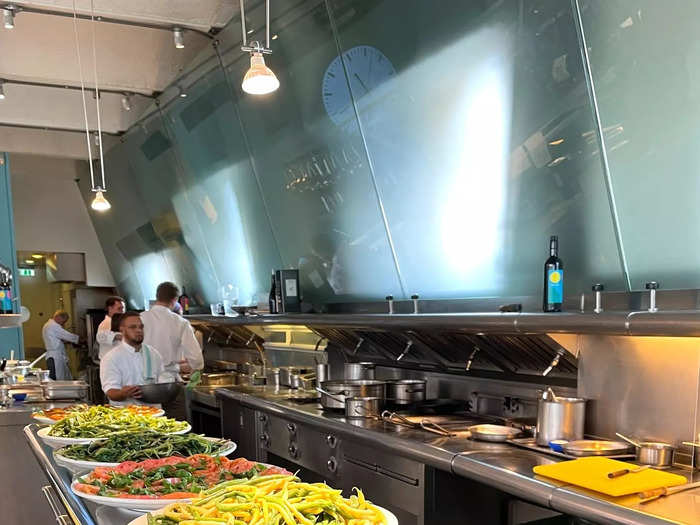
(55, 128)
(146, 25)
(153, 94)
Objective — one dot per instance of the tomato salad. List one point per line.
(169, 478)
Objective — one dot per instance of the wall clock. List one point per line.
(367, 68)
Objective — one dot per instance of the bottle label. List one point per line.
(555, 286)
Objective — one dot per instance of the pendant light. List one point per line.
(259, 80)
(99, 203)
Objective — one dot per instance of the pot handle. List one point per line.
(332, 396)
(412, 391)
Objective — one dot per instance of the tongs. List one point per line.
(424, 424)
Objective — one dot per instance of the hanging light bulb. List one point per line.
(8, 16)
(178, 37)
(259, 80)
(2, 89)
(99, 203)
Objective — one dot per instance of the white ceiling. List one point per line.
(41, 48)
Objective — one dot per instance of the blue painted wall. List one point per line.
(10, 338)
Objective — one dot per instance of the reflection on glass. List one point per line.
(313, 171)
(459, 140)
(645, 60)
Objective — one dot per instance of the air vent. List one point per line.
(155, 145)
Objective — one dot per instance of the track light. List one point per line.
(97, 139)
(259, 80)
(8, 16)
(181, 92)
(126, 102)
(2, 89)
(99, 203)
(178, 37)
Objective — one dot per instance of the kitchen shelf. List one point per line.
(642, 323)
(10, 320)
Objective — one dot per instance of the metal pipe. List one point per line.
(109, 20)
(588, 75)
(244, 37)
(267, 24)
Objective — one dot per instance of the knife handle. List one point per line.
(653, 493)
(618, 473)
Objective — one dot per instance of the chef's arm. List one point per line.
(107, 337)
(192, 352)
(124, 393)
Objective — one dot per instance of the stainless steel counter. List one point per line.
(498, 465)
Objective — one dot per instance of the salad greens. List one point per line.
(144, 445)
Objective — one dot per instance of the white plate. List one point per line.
(391, 519)
(43, 419)
(58, 442)
(48, 421)
(80, 465)
(127, 503)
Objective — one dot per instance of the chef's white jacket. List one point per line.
(124, 366)
(55, 336)
(105, 336)
(174, 338)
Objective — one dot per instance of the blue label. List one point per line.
(555, 286)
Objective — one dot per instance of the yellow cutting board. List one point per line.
(592, 473)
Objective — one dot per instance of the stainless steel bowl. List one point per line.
(497, 433)
(160, 392)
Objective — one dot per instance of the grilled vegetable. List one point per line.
(144, 445)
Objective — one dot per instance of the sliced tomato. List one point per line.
(89, 489)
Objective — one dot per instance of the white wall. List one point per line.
(50, 214)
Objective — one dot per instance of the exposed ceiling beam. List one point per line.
(56, 128)
(18, 9)
(153, 94)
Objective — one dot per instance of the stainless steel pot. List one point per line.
(340, 389)
(655, 454)
(304, 381)
(362, 407)
(272, 376)
(560, 418)
(286, 373)
(652, 453)
(405, 391)
(356, 371)
(323, 372)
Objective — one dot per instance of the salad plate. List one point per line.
(81, 465)
(390, 517)
(58, 442)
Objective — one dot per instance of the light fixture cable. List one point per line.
(82, 92)
(97, 93)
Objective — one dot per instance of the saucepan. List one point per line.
(333, 393)
(653, 453)
(356, 407)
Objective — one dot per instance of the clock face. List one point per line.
(367, 68)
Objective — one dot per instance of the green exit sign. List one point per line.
(27, 272)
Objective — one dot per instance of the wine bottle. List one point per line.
(553, 278)
(272, 299)
(184, 301)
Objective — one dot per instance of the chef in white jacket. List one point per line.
(106, 338)
(129, 364)
(171, 333)
(55, 337)
(173, 336)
